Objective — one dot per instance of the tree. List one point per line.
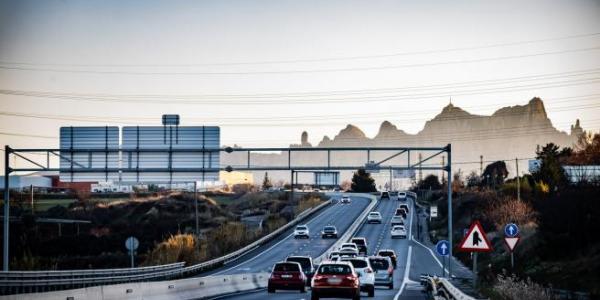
(430, 182)
(267, 182)
(473, 179)
(495, 173)
(551, 171)
(362, 182)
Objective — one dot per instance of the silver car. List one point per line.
(374, 217)
(384, 270)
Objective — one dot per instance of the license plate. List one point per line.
(286, 276)
(334, 280)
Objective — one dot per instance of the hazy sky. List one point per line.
(266, 70)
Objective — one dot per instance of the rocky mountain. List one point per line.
(509, 133)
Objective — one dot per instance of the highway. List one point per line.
(263, 258)
(415, 256)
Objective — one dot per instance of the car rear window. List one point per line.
(358, 242)
(385, 253)
(379, 263)
(303, 261)
(301, 227)
(358, 263)
(334, 269)
(286, 268)
(329, 228)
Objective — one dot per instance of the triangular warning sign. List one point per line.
(475, 240)
(511, 242)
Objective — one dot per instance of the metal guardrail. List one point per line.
(441, 288)
(350, 232)
(34, 281)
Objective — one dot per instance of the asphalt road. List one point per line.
(263, 258)
(416, 256)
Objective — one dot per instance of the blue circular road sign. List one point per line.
(443, 248)
(511, 230)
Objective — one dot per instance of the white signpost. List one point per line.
(132, 244)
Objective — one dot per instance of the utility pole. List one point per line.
(31, 194)
(480, 165)
(390, 186)
(420, 169)
(6, 239)
(518, 180)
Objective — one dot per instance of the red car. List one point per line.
(287, 276)
(335, 280)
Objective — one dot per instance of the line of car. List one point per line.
(348, 270)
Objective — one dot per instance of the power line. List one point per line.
(302, 60)
(353, 69)
(387, 98)
(281, 121)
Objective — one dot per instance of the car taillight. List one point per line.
(390, 271)
(369, 270)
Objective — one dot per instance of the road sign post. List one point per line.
(475, 241)
(443, 249)
(132, 244)
(511, 232)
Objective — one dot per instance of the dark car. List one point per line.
(329, 231)
(405, 206)
(306, 264)
(361, 244)
(335, 279)
(384, 270)
(385, 195)
(287, 276)
(389, 253)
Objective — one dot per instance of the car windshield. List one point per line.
(374, 214)
(379, 263)
(358, 263)
(283, 267)
(335, 270)
(303, 261)
(301, 228)
(386, 253)
(329, 228)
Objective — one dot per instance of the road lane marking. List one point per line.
(405, 280)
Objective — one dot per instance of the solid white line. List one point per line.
(406, 273)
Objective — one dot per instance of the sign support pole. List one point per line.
(512, 260)
(475, 270)
(132, 262)
(196, 207)
(6, 240)
(443, 266)
(449, 150)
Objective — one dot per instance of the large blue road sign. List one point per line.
(511, 230)
(443, 248)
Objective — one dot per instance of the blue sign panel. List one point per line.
(511, 230)
(442, 248)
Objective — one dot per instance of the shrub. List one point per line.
(507, 210)
(177, 248)
(511, 288)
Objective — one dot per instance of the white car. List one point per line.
(349, 245)
(397, 220)
(348, 253)
(398, 231)
(374, 217)
(366, 276)
(402, 196)
(301, 231)
(345, 200)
